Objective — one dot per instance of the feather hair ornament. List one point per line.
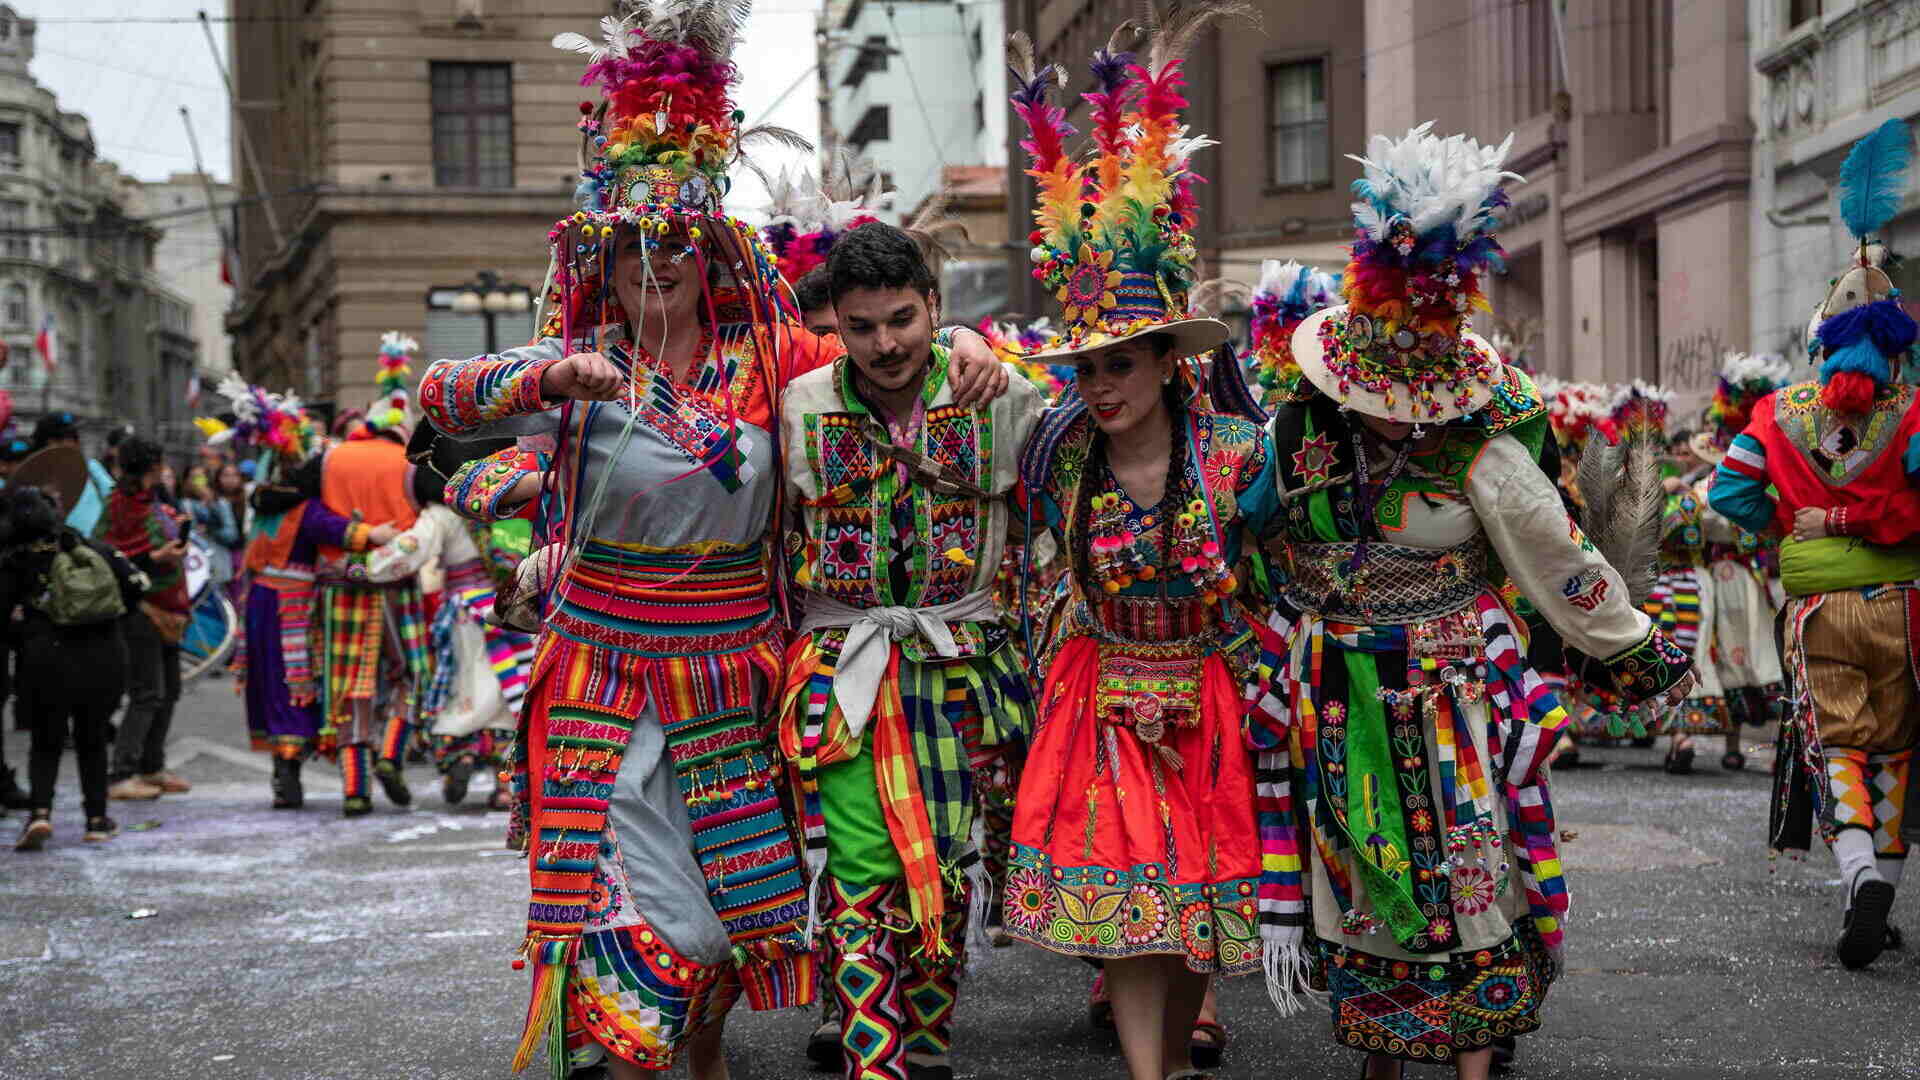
(1744, 380)
(1873, 179)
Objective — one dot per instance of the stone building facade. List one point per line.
(404, 148)
(1630, 237)
(78, 264)
(1824, 73)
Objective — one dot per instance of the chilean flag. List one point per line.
(47, 343)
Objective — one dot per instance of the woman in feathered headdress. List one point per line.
(656, 374)
(1401, 720)
(1138, 763)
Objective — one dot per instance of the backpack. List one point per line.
(81, 588)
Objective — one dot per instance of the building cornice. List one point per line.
(380, 200)
(1689, 171)
(1795, 48)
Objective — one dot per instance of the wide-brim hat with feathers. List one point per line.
(1399, 348)
(1113, 231)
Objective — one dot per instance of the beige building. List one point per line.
(191, 212)
(404, 149)
(1629, 240)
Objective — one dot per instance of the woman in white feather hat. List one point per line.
(1409, 841)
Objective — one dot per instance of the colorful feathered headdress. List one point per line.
(1113, 234)
(1287, 294)
(665, 132)
(1861, 326)
(1744, 380)
(655, 156)
(1399, 348)
(275, 423)
(806, 215)
(1574, 409)
(1637, 407)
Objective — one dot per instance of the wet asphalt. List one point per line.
(301, 946)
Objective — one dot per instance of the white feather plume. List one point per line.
(1740, 368)
(1430, 182)
(613, 30)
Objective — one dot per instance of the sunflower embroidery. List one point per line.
(1089, 287)
(1143, 917)
(1473, 891)
(1032, 896)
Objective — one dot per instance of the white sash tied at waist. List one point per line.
(871, 633)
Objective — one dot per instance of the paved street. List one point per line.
(296, 946)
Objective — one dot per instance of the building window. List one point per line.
(13, 228)
(473, 125)
(872, 58)
(979, 113)
(1799, 11)
(875, 125)
(10, 144)
(13, 304)
(1297, 123)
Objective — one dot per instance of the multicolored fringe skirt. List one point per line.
(687, 640)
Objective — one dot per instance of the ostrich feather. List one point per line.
(1172, 26)
(1211, 297)
(1873, 178)
(776, 135)
(1741, 368)
(1620, 485)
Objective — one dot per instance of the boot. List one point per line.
(453, 786)
(391, 782)
(288, 794)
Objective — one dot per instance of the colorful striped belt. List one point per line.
(470, 574)
(678, 602)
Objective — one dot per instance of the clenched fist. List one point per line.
(584, 377)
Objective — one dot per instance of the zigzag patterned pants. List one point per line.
(896, 1010)
(1869, 791)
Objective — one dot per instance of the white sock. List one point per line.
(1891, 869)
(1853, 849)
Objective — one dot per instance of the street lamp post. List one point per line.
(487, 296)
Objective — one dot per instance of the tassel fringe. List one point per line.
(551, 959)
(815, 861)
(1283, 954)
(979, 898)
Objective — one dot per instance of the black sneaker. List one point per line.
(39, 830)
(99, 830)
(453, 786)
(1865, 934)
(824, 1050)
(391, 782)
(356, 806)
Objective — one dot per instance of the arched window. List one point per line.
(13, 305)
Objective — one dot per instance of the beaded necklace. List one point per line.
(1188, 537)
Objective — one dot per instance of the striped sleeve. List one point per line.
(1739, 491)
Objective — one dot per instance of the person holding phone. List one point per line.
(151, 533)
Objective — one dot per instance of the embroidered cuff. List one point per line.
(1648, 668)
(460, 395)
(1841, 523)
(479, 489)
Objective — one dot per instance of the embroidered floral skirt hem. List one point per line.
(1431, 1010)
(1116, 852)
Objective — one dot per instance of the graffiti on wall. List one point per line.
(1692, 362)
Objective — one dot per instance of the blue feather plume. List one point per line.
(1874, 177)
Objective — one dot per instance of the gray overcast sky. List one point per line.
(130, 79)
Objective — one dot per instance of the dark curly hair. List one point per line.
(877, 256)
(26, 515)
(138, 455)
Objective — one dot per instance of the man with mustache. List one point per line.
(903, 690)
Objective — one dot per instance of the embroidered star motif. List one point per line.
(1314, 460)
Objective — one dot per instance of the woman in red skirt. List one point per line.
(1134, 838)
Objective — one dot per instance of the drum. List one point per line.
(214, 626)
